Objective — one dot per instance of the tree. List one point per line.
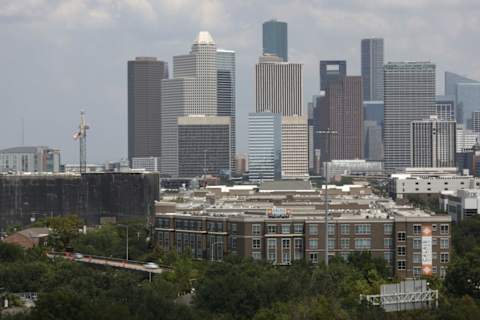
(10, 252)
(64, 229)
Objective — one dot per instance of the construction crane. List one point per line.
(81, 135)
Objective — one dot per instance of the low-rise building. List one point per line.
(30, 159)
(29, 238)
(460, 204)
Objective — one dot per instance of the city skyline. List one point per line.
(82, 64)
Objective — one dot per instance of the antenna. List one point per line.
(23, 131)
(81, 135)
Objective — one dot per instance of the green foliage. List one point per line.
(10, 252)
(64, 229)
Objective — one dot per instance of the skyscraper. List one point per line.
(409, 96)
(145, 75)
(275, 38)
(466, 93)
(343, 112)
(193, 90)
(445, 107)
(476, 121)
(294, 147)
(373, 142)
(264, 146)
(331, 70)
(372, 68)
(433, 143)
(279, 88)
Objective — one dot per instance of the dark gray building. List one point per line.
(203, 145)
(145, 75)
(275, 38)
(372, 68)
(331, 70)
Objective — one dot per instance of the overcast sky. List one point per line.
(60, 56)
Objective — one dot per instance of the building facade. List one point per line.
(433, 143)
(409, 96)
(264, 146)
(372, 68)
(445, 108)
(466, 138)
(145, 75)
(30, 159)
(372, 141)
(295, 147)
(331, 70)
(275, 39)
(151, 164)
(466, 92)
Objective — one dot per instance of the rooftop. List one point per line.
(204, 37)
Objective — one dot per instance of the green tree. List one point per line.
(64, 229)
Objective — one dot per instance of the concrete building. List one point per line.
(264, 146)
(294, 147)
(409, 96)
(288, 225)
(460, 204)
(343, 112)
(433, 143)
(145, 75)
(275, 39)
(354, 168)
(331, 70)
(466, 138)
(241, 166)
(203, 145)
(476, 122)
(372, 68)
(373, 111)
(372, 141)
(151, 164)
(466, 92)
(279, 88)
(445, 108)
(30, 159)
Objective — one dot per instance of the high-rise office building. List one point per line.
(466, 138)
(194, 90)
(432, 143)
(295, 147)
(372, 141)
(372, 68)
(476, 121)
(275, 39)
(264, 146)
(445, 107)
(203, 145)
(466, 93)
(226, 97)
(279, 88)
(343, 112)
(331, 70)
(409, 96)
(145, 75)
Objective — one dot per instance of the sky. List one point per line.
(58, 57)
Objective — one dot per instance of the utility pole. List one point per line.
(81, 135)
(328, 134)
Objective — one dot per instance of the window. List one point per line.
(364, 243)
(401, 265)
(387, 243)
(443, 272)
(362, 229)
(257, 255)
(313, 257)
(401, 236)
(298, 228)
(345, 243)
(285, 228)
(331, 244)
(417, 258)
(417, 243)
(233, 243)
(417, 229)
(434, 241)
(388, 256)
(434, 227)
(434, 269)
(331, 229)
(313, 229)
(444, 243)
(272, 250)
(387, 228)
(344, 255)
(271, 228)
(233, 228)
(285, 243)
(417, 272)
(443, 257)
(256, 229)
(256, 243)
(401, 250)
(298, 244)
(444, 229)
(345, 229)
(313, 244)
(286, 251)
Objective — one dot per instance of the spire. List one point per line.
(204, 37)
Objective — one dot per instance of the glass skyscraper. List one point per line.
(372, 68)
(275, 38)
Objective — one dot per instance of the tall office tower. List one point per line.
(409, 96)
(191, 91)
(279, 88)
(343, 112)
(466, 92)
(373, 111)
(331, 70)
(145, 75)
(264, 146)
(294, 147)
(445, 107)
(275, 38)
(203, 145)
(476, 121)
(433, 143)
(226, 98)
(466, 138)
(372, 68)
(373, 142)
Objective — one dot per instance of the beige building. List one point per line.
(294, 147)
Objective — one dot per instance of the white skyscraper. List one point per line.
(294, 147)
(409, 96)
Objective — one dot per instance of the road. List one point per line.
(111, 262)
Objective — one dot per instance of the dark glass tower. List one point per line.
(275, 38)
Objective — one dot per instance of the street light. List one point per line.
(328, 133)
(126, 227)
(212, 246)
